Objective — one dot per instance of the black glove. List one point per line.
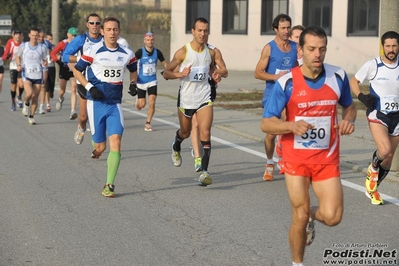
(133, 89)
(368, 100)
(60, 63)
(95, 93)
(162, 74)
(8, 56)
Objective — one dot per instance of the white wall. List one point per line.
(242, 52)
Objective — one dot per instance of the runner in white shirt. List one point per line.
(32, 60)
(382, 110)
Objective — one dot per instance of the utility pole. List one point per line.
(389, 20)
(55, 9)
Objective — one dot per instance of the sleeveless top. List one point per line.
(280, 61)
(147, 67)
(195, 89)
(319, 145)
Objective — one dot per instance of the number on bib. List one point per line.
(317, 138)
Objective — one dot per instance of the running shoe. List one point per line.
(371, 179)
(375, 197)
(41, 109)
(31, 121)
(58, 105)
(148, 127)
(79, 136)
(25, 110)
(13, 107)
(198, 164)
(94, 154)
(73, 115)
(19, 102)
(310, 232)
(269, 172)
(48, 109)
(109, 191)
(176, 158)
(204, 179)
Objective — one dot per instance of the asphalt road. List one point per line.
(53, 213)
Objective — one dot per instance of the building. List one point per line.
(157, 4)
(240, 28)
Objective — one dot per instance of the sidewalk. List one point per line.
(356, 149)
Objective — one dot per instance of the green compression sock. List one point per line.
(113, 160)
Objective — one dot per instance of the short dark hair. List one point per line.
(34, 29)
(281, 17)
(201, 19)
(389, 35)
(92, 15)
(49, 34)
(297, 27)
(312, 30)
(107, 19)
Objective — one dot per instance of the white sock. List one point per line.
(270, 161)
(297, 264)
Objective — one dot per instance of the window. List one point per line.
(196, 9)
(270, 10)
(235, 16)
(318, 13)
(363, 17)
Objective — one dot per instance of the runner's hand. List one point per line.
(368, 100)
(95, 93)
(133, 89)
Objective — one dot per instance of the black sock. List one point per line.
(178, 141)
(382, 173)
(376, 161)
(206, 145)
(13, 93)
(21, 90)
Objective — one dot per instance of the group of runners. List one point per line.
(300, 104)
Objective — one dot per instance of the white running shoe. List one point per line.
(58, 105)
(79, 136)
(31, 121)
(41, 109)
(25, 110)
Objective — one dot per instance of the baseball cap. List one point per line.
(149, 34)
(73, 31)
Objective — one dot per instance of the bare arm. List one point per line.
(73, 59)
(165, 64)
(347, 124)
(354, 84)
(178, 58)
(263, 63)
(221, 65)
(78, 75)
(276, 126)
(133, 77)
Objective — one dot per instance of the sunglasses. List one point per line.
(95, 22)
